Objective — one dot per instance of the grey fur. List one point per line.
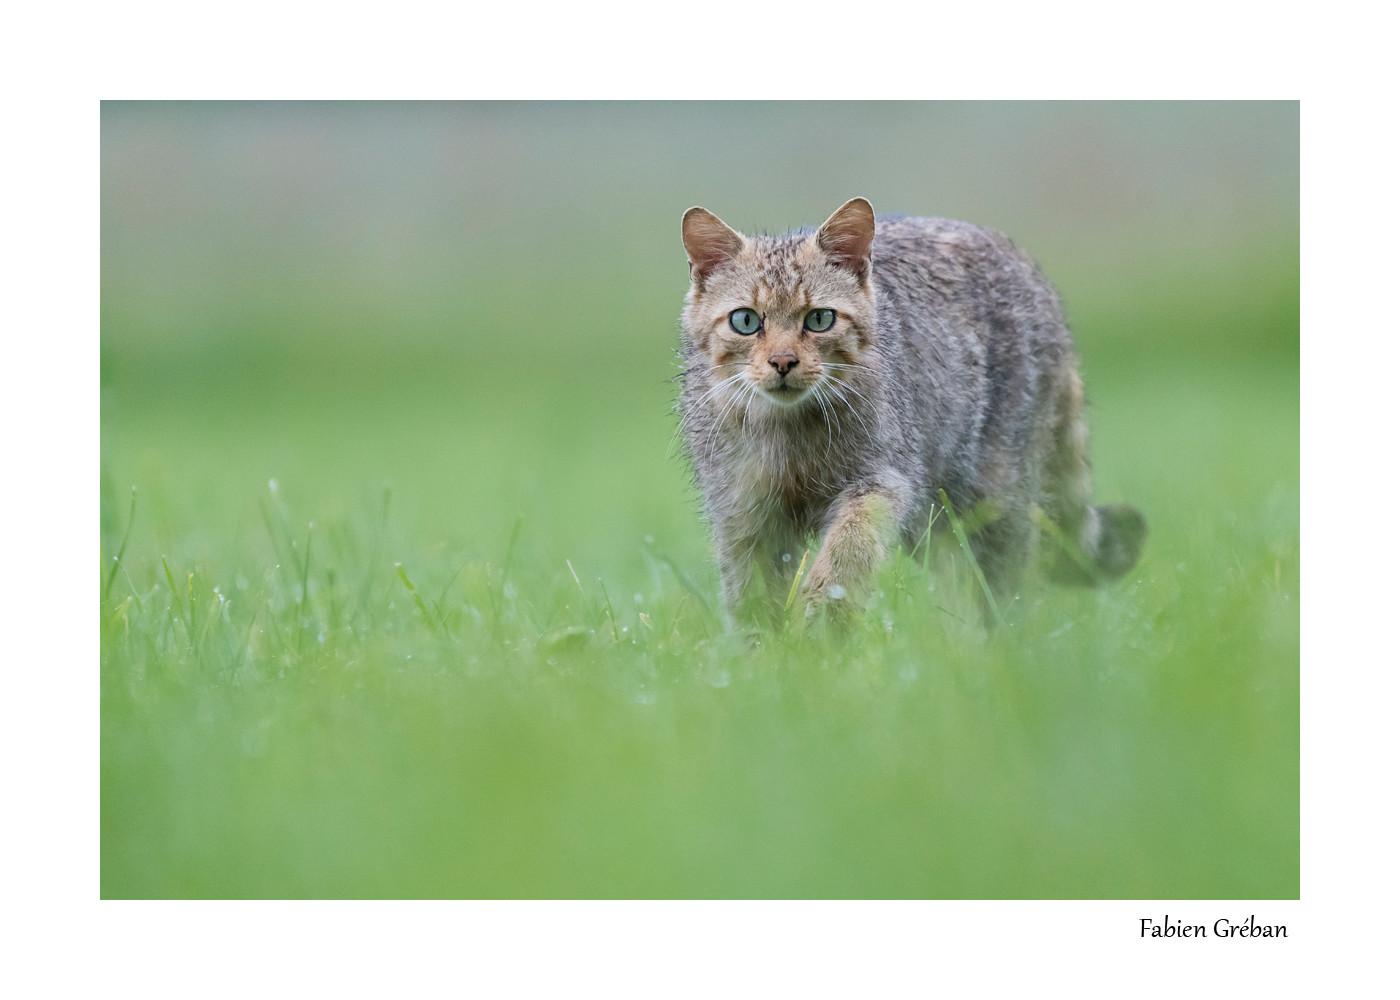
(965, 380)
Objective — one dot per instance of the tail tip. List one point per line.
(1122, 531)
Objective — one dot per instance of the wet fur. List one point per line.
(950, 368)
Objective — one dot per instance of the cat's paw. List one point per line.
(824, 599)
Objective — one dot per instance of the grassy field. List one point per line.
(415, 602)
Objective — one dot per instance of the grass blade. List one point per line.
(796, 580)
(121, 549)
(500, 596)
(304, 595)
(687, 583)
(175, 597)
(417, 597)
(607, 605)
(927, 540)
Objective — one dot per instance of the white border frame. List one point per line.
(69, 59)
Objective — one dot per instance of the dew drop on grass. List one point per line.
(836, 592)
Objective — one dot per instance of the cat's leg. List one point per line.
(736, 552)
(1002, 548)
(1090, 543)
(862, 526)
(749, 544)
(759, 580)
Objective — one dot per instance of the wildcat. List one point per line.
(834, 382)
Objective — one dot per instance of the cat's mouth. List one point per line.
(786, 393)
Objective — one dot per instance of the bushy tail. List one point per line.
(1092, 544)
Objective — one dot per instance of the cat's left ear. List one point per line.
(846, 237)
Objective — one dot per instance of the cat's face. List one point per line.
(778, 317)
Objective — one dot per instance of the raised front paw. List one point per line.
(824, 597)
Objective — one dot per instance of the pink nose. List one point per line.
(784, 362)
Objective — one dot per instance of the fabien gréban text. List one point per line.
(1225, 927)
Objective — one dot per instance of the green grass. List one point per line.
(466, 646)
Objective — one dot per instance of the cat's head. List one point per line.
(775, 316)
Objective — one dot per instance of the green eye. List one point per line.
(820, 320)
(745, 321)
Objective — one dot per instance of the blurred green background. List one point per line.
(412, 597)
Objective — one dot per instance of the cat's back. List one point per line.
(915, 254)
(972, 334)
(966, 275)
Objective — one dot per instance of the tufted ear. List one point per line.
(708, 242)
(846, 237)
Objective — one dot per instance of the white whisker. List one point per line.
(712, 439)
(837, 388)
(693, 409)
(819, 394)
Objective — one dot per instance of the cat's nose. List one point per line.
(784, 362)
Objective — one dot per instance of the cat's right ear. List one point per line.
(708, 242)
(847, 236)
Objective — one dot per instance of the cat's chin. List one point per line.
(786, 397)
